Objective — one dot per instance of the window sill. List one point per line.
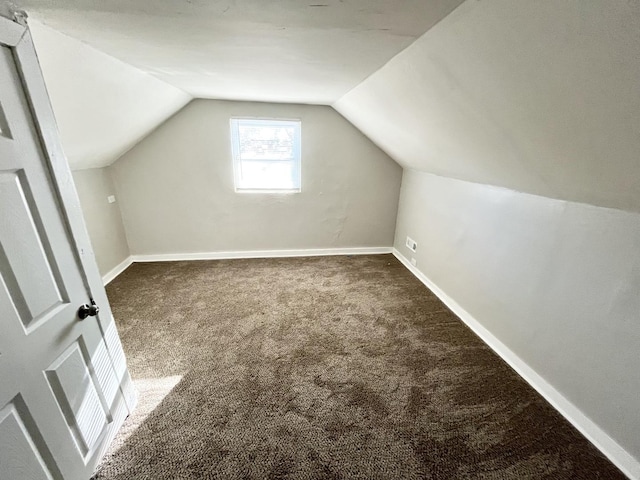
(270, 192)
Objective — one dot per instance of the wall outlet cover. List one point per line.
(111, 199)
(411, 244)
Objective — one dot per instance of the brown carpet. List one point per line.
(322, 368)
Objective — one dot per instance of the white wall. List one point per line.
(103, 106)
(102, 218)
(177, 194)
(557, 282)
(538, 97)
(535, 95)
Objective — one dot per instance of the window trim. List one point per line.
(234, 136)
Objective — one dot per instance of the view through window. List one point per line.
(266, 154)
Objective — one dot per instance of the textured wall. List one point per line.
(556, 282)
(177, 194)
(103, 219)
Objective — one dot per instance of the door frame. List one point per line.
(15, 34)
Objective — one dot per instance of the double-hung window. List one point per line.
(266, 154)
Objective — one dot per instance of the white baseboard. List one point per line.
(117, 270)
(314, 252)
(614, 452)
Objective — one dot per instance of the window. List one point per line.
(266, 154)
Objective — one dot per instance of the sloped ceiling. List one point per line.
(534, 95)
(102, 106)
(282, 50)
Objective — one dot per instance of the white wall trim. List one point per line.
(614, 452)
(174, 257)
(312, 252)
(117, 270)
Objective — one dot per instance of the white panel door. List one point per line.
(61, 377)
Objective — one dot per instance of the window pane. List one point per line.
(266, 153)
(273, 142)
(263, 174)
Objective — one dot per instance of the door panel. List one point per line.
(61, 394)
(77, 395)
(20, 452)
(36, 290)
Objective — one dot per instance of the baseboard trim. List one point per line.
(117, 270)
(609, 447)
(313, 252)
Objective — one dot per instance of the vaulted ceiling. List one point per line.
(116, 70)
(536, 96)
(280, 51)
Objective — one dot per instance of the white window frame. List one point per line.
(235, 122)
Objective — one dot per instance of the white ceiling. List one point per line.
(103, 106)
(310, 51)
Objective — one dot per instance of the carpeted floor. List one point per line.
(322, 368)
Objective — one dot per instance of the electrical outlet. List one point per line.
(414, 262)
(411, 244)
(111, 199)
